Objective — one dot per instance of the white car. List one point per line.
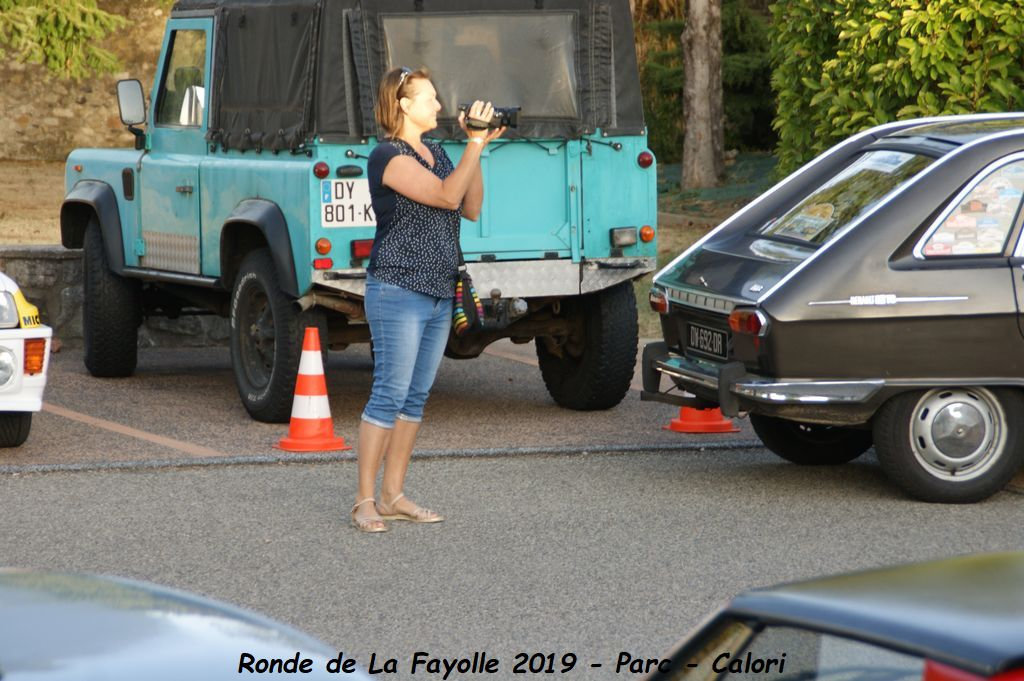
(24, 359)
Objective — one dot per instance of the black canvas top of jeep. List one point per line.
(299, 71)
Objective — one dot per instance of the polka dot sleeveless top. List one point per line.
(415, 246)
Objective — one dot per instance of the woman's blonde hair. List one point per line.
(393, 86)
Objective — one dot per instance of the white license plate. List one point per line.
(346, 203)
(708, 341)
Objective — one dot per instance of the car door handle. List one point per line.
(184, 189)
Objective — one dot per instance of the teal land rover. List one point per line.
(246, 192)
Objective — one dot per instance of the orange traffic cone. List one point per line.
(311, 428)
(692, 420)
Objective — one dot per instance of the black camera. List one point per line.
(503, 117)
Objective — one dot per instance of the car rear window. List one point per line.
(738, 651)
(831, 208)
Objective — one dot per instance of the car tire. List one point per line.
(592, 369)
(14, 427)
(267, 329)
(951, 445)
(111, 312)
(810, 444)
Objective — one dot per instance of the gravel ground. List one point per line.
(30, 198)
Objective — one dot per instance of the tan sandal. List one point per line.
(367, 524)
(417, 515)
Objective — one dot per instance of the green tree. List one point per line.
(62, 35)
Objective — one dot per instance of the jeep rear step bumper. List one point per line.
(521, 278)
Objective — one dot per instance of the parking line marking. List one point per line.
(490, 350)
(532, 361)
(187, 448)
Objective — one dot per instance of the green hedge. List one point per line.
(842, 66)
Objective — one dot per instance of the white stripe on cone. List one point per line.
(311, 407)
(311, 364)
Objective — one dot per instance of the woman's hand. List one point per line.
(483, 112)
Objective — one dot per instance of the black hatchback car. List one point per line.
(875, 296)
(958, 619)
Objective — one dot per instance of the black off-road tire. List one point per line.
(810, 444)
(14, 427)
(267, 328)
(595, 370)
(912, 458)
(111, 312)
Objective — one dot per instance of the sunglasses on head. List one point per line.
(405, 74)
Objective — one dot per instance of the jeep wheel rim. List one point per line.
(257, 339)
(958, 434)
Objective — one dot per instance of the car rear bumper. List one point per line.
(735, 390)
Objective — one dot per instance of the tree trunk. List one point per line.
(702, 94)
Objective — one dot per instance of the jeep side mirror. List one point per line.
(130, 102)
(132, 105)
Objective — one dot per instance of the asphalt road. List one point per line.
(590, 554)
(182, 407)
(589, 534)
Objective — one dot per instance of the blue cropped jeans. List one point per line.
(409, 332)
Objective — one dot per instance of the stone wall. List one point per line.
(43, 117)
(51, 279)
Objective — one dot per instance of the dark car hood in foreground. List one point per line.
(77, 627)
(968, 610)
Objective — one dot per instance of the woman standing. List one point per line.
(419, 198)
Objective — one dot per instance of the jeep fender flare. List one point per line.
(237, 239)
(85, 198)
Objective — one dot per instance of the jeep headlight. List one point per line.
(8, 366)
(8, 311)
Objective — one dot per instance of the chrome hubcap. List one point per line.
(958, 430)
(958, 434)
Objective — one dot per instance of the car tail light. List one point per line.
(323, 264)
(323, 246)
(645, 159)
(647, 234)
(747, 321)
(1012, 675)
(321, 170)
(658, 300)
(35, 355)
(623, 236)
(936, 671)
(361, 248)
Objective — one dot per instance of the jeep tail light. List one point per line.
(747, 321)
(321, 170)
(35, 355)
(658, 301)
(323, 246)
(623, 236)
(645, 159)
(323, 264)
(361, 248)
(647, 234)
